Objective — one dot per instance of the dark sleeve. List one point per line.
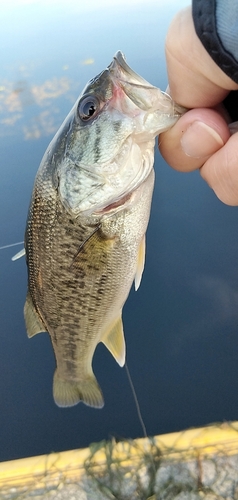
(216, 24)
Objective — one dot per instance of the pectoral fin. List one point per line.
(18, 255)
(140, 263)
(34, 324)
(92, 253)
(114, 340)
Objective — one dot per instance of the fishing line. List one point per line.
(12, 245)
(153, 470)
(136, 401)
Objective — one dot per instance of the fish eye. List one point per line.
(88, 107)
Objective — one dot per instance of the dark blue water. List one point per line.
(181, 326)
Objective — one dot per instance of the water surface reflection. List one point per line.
(181, 326)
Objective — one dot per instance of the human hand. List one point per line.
(201, 138)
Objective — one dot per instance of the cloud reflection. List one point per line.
(86, 62)
(33, 110)
(44, 124)
(50, 89)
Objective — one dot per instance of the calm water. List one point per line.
(181, 326)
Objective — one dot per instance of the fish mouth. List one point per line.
(119, 65)
(141, 93)
(133, 84)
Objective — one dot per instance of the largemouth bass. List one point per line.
(85, 233)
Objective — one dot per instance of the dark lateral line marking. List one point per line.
(116, 125)
(97, 143)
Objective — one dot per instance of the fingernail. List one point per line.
(200, 140)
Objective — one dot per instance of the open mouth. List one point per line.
(134, 78)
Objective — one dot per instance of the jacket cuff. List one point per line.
(204, 18)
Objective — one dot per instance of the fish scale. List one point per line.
(85, 233)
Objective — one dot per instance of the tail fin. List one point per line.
(70, 393)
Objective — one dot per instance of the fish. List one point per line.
(86, 225)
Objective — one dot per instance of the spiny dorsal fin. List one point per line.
(114, 340)
(140, 263)
(34, 324)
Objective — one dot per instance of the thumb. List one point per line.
(196, 136)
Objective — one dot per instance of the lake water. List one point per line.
(181, 326)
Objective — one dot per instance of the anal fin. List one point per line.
(140, 263)
(114, 340)
(33, 322)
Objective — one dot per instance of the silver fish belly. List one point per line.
(85, 233)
